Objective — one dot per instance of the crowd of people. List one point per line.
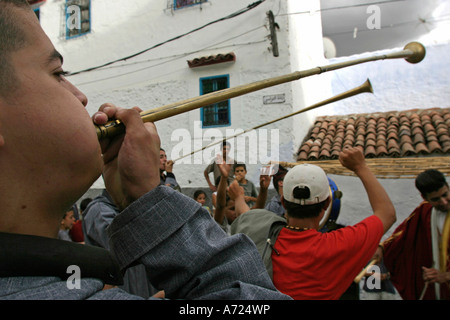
(143, 238)
(290, 220)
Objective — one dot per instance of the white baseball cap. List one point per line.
(306, 175)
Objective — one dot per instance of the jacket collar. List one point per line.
(27, 256)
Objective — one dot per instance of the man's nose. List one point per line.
(77, 93)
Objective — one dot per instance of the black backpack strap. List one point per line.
(270, 246)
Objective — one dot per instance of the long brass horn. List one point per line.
(365, 87)
(413, 52)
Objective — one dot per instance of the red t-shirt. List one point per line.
(321, 266)
(76, 233)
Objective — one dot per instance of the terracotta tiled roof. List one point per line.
(380, 135)
(213, 59)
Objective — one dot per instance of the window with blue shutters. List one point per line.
(217, 114)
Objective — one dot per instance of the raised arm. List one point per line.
(221, 198)
(236, 193)
(264, 182)
(353, 159)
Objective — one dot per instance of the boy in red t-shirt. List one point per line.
(308, 264)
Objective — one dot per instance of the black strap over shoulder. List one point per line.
(26, 255)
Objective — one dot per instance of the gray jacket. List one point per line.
(185, 252)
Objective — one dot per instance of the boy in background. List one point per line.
(240, 172)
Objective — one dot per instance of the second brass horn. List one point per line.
(413, 52)
(365, 87)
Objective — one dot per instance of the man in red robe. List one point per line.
(408, 253)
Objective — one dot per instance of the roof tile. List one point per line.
(212, 59)
(413, 132)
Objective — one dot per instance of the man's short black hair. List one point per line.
(199, 192)
(279, 176)
(295, 210)
(84, 203)
(12, 38)
(237, 165)
(429, 181)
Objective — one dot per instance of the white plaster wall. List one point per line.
(306, 43)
